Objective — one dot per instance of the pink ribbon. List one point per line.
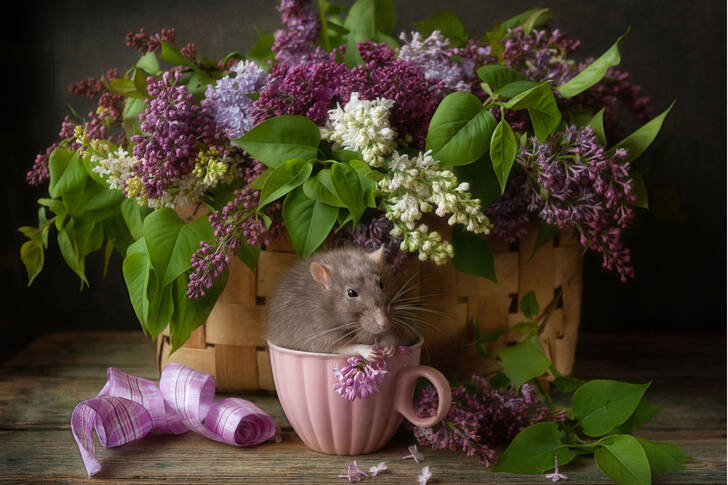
(128, 408)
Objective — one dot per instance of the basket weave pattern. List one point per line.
(231, 344)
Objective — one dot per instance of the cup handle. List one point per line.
(403, 399)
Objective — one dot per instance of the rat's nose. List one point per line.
(382, 320)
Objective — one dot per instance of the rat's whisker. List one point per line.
(340, 327)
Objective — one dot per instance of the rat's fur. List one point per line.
(306, 315)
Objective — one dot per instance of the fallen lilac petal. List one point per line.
(556, 476)
(377, 469)
(425, 476)
(354, 473)
(415, 454)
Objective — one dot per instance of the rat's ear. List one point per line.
(378, 256)
(321, 273)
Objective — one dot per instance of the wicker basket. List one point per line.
(231, 344)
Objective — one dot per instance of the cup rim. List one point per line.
(415, 346)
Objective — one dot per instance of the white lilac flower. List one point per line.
(362, 126)
(415, 186)
(116, 168)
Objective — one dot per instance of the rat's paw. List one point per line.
(389, 350)
(361, 350)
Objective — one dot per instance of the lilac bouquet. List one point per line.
(335, 130)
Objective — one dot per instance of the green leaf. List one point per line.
(546, 233)
(261, 51)
(149, 63)
(448, 24)
(472, 255)
(308, 222)
(136, 268)
(639, 188)
(161, 309)
(345, 181)
(460, 130)
(597, 124)
(125, 87)
(497, 76)
(503, 148)
(529, 305)
(173, 55)
(344, 156)
(637, 142)
(367, 183)
(644, 412)
(484, 184)
(66, 170)
(524, 361)
(663, 457)
(594, 72)
(282, 138)
(31, 253)
(533, 450)
(71, 257)
(601, 405)
(132, 217)
(567, 384)
(190, 313)
(369, 17)
(537, 18)
(171, 242)
(542, 108)
(538, 15)
(133, 107)
(515, 88)
(319, 187)
(622, 458)
(283, 179)
(249, 255)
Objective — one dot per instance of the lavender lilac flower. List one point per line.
(226, 100)
(434, 57)
(360, 378)
(480, 418)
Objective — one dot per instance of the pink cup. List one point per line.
(328, 423)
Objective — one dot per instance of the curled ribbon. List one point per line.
(127, 408)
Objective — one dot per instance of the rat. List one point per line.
(341, 301)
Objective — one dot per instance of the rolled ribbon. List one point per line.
(127, 408)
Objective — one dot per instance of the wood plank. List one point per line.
(234, 324)
(240, 287)
(265, 372)
(190, 458)
(506, 270)
(271, 267)
(236, 367)
(198, 359)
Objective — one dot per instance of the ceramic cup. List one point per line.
(328, 423)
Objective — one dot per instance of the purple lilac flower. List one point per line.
(296, 44)
(479, 419)
(176, 128)
(385, 76)
(509, 213)
(226, 100)
(573, 182)
(434, 57)
(233, 224)
(360, 378)
(354, 473)
(372, 236)
(307, 89)
(144, 43)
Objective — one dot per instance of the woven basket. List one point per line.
(231, 344)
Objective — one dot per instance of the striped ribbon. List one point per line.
(128, 408)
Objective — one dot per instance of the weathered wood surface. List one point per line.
(40, 387)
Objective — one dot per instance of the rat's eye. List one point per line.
(381, 285)
(351, 293)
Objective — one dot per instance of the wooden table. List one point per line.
(40, 387)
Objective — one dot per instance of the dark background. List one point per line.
(675, 50)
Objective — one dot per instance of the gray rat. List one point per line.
(340, 301)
